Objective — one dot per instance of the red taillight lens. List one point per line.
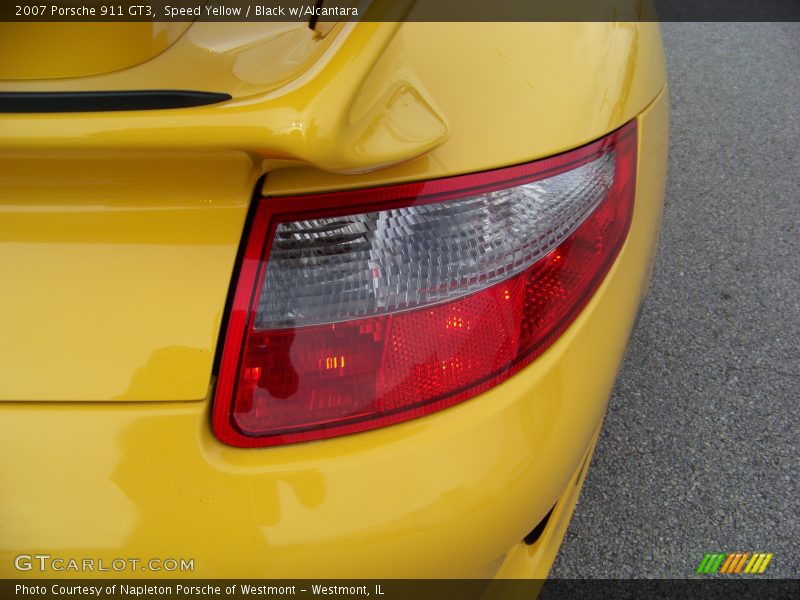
(359, 309)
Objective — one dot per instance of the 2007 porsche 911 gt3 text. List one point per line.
(317, 300)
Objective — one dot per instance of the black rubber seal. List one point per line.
(59, 102)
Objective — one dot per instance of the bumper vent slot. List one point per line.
(537, 531)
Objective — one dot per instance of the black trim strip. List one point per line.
(56, 102)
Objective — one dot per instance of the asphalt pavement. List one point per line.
(700, 450)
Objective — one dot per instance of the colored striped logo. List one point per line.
(734, 563)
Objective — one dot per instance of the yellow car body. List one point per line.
(119, 234)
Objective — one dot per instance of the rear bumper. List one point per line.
(449, 495)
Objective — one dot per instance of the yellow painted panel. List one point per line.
(465, 484)
(118, 238)
(40, 50)
(115, 272)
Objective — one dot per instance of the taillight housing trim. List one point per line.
(270, 212)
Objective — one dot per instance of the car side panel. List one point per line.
(446, 495)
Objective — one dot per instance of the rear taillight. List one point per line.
(358, 309)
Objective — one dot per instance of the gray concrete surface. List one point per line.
(700, 450)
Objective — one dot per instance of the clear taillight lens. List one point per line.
(359, 309)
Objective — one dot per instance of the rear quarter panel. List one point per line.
(126, 303)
